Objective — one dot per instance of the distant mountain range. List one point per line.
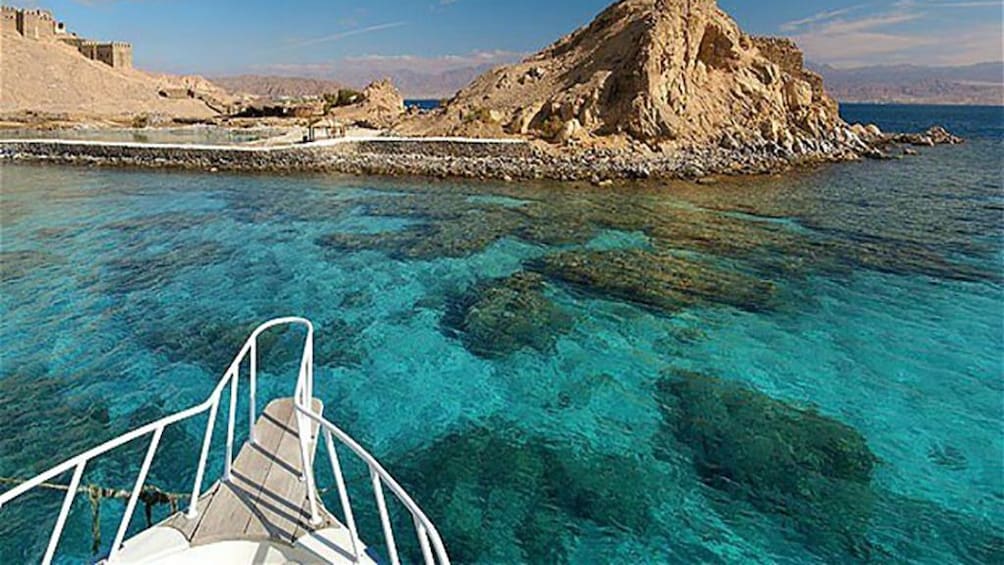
(981, 83)
(414, 84)
(276, 86)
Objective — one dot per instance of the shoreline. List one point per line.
(437, 157)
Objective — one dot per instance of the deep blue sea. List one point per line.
(803, 368)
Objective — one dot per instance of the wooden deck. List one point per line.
(265, 500)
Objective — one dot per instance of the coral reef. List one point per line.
(213, 344)
(811, 469)
(500, 495)
(26, 442)
(665, 282)
(498, 317)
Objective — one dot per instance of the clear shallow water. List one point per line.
(125, 293)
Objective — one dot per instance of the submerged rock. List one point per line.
(935, 135)
(15, 265)
(27, 444)
(660, 280)
(458, 235)
(502, 316)
(213, 345)
(500, 495)
(791, 462)
(144, 272)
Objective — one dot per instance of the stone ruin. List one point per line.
(40, 25)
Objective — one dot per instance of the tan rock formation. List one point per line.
(381, 106)
(676, 72)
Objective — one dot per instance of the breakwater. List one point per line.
(503, 159)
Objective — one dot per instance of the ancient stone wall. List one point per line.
(36, 24)
(118, 55)
(40, 25)
(8, 20)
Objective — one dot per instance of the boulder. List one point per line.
(657, 71)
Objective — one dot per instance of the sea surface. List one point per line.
(803, 368)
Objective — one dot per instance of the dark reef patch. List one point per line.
(501, 316)
(213, 345)
(138, 272)
(26, 441)
(455, 237)
(500, 495)
(794, 463)
(15, 265)
(664, 282)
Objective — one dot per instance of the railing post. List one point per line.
(303, 431)
(310, 367)
(388, 532)
(57, 531)
(231, 422)
(252, 408)
(423, 540)
(193, 509)
(136, 489)
(343, 494)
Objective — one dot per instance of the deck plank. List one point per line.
(265, 500)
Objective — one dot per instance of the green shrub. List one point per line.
(479, 114)
(343, 97)
(551, 127)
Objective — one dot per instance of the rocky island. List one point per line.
(650, 88)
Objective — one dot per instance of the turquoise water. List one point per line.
(870, 292)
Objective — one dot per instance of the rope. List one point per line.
(150, 496)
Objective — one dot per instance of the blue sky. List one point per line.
(330, 37)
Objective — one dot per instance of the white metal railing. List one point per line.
(429, 540)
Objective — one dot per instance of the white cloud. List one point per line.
(343, 34)
(908, 31)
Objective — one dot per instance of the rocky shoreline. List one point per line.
(474, 159)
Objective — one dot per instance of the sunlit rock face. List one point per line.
(657, 71)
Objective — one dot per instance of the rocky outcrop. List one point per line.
(663, 72)
(380, 106)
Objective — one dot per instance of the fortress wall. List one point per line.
(118, 55)
(8, 20)
(36, 24)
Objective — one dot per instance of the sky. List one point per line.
(326, 37)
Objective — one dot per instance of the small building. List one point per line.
(325, 128)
